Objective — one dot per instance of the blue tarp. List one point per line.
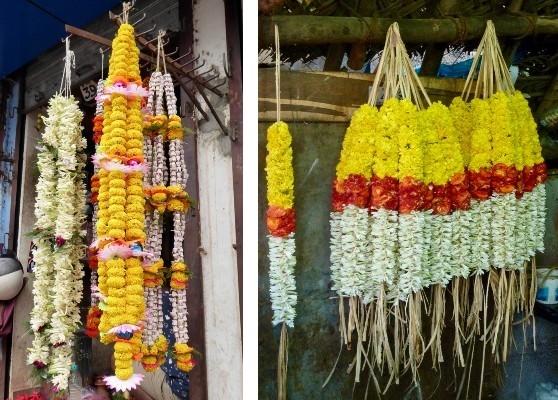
(26, 30)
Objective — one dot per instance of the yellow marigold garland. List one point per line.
(121, 216)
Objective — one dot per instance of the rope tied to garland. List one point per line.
(277, 74)
(161, 51)
(102, 63)
(69, 64)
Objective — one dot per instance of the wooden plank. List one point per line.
(316, 30)
(331, 96)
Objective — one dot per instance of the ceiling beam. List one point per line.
(317, 30)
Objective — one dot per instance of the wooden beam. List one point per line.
(549, 100)
(316, 30)
(330, 96)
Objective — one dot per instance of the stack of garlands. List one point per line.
(378, 220)
(281, 227)
(58, 236)
(166, 191)
(120, 225)
(415, 206)
(506, 173)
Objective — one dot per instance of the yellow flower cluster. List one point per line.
(460, 113)
(502, 130)
(179, 275)
(123, 360)
(121, 205)
(175, 130)
(386, 141)
(154, 355)
(279, 169)
(124, 60)
(152, 275)
(410, 141)
(442, 158)
(527, 130)
(357, 152)
(481, 143)
(184, 357)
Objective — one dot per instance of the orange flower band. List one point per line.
(280, 221)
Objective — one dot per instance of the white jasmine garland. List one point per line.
(426, 262)
(503, 241)
(461, 243)
(45, 202)
(441, 249)
(383, 242)
(282, 287)
(410, 236)
(58, 274)
(355, 251)
(540, 199)
(480, 235)
(335, 250)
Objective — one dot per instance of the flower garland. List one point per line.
(178, 204)
(59, 210)
(155, 344)
(349, 217)
(447, 196)
(120, 226)
(281, 224)
(94, 314)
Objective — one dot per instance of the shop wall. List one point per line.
(223, 343)
(20, 372)
(314, 343)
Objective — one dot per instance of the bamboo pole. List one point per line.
(316, 30)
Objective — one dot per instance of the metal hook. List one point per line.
(164, 43)
(63, 40)
(182, 56)
(139, 20)
(195, 68)
(209, 79)
(218, 85)
(147, 31)
(212, 69)
(226, 66)
(172, 52)
(190, 62)
(149, 41)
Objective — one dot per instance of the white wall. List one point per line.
(220, 276)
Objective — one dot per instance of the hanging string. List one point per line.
(277, 74)
(160, 49)
(69, 63)
(126, 7)
(102, 62)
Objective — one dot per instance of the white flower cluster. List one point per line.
(441, 249)
(155, 176)
(282, 286)
(383, 236)
(480, 234)
(539, 216)
(178, 176)
(461, 244)
(59, 237)
(411, 248)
